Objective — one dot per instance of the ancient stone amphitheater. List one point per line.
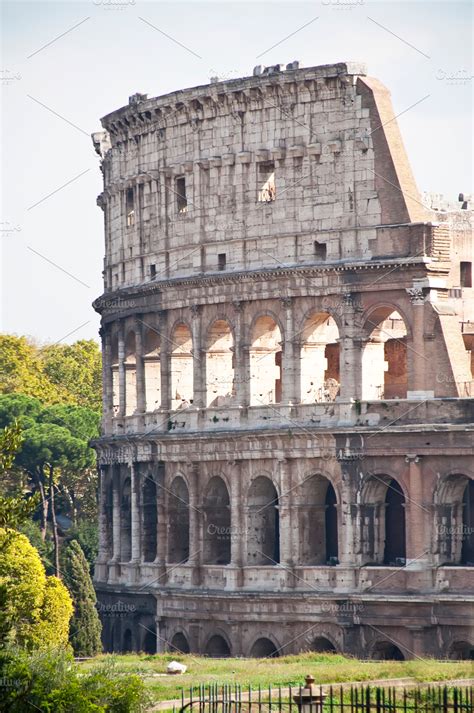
(286, 454)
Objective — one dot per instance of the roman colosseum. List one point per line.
(286, 451)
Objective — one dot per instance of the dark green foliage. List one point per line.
(86, 533)
(85, 626)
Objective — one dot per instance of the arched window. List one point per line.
(382, 522)
(115, 374)
(263, 534)
(130, 375)
(219, 365)
(265, 363)
(462, 651)
(322, 645)
(467, 549)
(384, 358)
(178, 519)
(217, 647)
(179, 644)
(126, 522)
(150, 519)
(216, 506)
(152, 368)
(454, 507)
(394, 553)
(181, 367)
(387, 651)
(316, 502)
(320, 374)
(264, 648)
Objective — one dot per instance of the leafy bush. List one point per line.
(85, 624)
(49, 681)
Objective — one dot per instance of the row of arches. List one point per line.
(380, 523)
(384, 366)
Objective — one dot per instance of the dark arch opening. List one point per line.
(467, 548)
(150, 519)
(332, 549)
(179, 643)
(217, 647)
(263, 538)
(127, 641)
(178, 512)
(126, 523)
(394, 552)
(322, 645)
(149, 642)
(217, 523)
(264, 648)
(386, 651)
(462, 651)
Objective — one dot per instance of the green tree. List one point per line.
(35, 610)
(85, 625)
(13, 510)
(78, 368)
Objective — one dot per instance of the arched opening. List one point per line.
(384, 358)
(387, 651)
(263, 533)
(264, 648)
(321, 645)
(216, 506)
(178, 514)
(179, 643)
(394, 553)
(454, 504)
(220, 365)
(317, 510)
(181, 367)
(319, 359)
(130, 374)
(462, 651)
(152, 368)
(150, 519)
(265, 362)
(149, 641)
(127, 641)
(126, 522)
(382, 522)
(114, 365)
(217, 647)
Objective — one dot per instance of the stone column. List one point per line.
(140, 366)
(416, 522)
(135, 513)
(104, 526)
(108, 385)
(290, 359)
(237, 521)
(417, 364)
(116, 523)
(165, 367)
(162, 524)
(121, 369)
(241, 369)
(199, 364)
(195, 524)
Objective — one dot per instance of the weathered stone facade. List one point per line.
(286, 458)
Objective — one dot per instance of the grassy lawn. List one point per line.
(284, 671)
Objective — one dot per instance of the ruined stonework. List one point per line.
(286, 454)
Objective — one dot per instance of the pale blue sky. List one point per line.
(112, 54)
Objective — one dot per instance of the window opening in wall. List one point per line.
(152, 271)
(266, 182)
(181, 200)
(319, 250)
(466, 274)
(221, 261)
(130, 208)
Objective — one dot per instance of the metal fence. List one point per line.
(328, 699)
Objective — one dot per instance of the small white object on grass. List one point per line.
(175, 667)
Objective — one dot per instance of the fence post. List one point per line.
(308, 701)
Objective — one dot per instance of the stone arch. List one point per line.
(263, 523)
(461, 651)
(217, 647)
(126, 521)
(385, 356)
(220, 387)
(152, 369)
(263, 648)
(454, 519)
(317, 516)
(217, 526)
(179, 643)
(385, 650)
(150, 519)
(319, 358)
(323, 645)
(127, 641)
(382, 521)
(130, 373)
(178, 521)
(265, 361)
(181, 366)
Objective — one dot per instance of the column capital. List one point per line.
(412, 458)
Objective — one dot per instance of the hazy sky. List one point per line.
(56, 90)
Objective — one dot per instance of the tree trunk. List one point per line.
(53, 522)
